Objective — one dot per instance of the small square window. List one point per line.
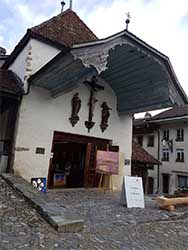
(166, 134)
(180, 155)
(150, 141)
(182, 181)
(140, 140)
(165, 155)
(180, 135)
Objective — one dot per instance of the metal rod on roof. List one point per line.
(70, 5)
(127, 20)
(62, 6)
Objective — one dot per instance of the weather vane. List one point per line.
(127, 20)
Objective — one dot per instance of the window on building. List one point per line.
(140, 140)
(182, 181)
(150, 141)
(166, 134)
(180, 155)
(165, 156)
(180, 135)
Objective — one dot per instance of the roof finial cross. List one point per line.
(127, 20)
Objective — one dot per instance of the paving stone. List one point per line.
(107, 223)
(44, 205)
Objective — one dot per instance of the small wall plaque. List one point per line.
(40, 151)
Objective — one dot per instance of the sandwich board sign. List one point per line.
(132, 193)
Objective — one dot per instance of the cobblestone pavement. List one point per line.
(108, 225)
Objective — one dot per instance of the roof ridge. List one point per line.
(176, 111)
(57, 32)
(49, 20)
(64, 13)
(84, 23)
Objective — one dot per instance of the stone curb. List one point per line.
(44, 205)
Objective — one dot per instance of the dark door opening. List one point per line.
(150, 185)
(68, 165)
(166, 178)
(73, 160)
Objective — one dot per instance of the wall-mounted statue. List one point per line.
(76, 105)
(105, 114)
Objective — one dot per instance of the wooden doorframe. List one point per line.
(87, 161)
(89, 142)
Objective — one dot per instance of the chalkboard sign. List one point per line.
(132, 193)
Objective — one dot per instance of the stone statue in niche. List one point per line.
(76, 105)
(105, 114)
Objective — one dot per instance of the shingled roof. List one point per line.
(60, 31)
(172, 113)
(66, 28)
(10, 83)
(140, 155)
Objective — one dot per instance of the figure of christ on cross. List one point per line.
(94, 87)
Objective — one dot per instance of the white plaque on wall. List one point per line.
(132, 193)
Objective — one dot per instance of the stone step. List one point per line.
(53, 213)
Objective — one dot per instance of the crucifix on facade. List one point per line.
(94, 87)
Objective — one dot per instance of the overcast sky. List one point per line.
(161, 23)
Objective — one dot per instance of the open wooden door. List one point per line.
(87, 162)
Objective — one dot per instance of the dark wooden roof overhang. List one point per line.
(141, 77)
(140, 155)
(10, 85)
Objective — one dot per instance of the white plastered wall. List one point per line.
(33, 57)
(41, 115)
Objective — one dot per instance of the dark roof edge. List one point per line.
(146, 162)
(23, 42)
(9, 94)
(175, 80)
(3, 57)
(175, 117)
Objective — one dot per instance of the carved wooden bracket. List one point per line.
(97, 55)
(76, 105)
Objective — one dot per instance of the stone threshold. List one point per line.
(53, 213)
(60, 190)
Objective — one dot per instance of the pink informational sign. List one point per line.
(107, 162)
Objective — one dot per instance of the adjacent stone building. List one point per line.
(165, 136)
